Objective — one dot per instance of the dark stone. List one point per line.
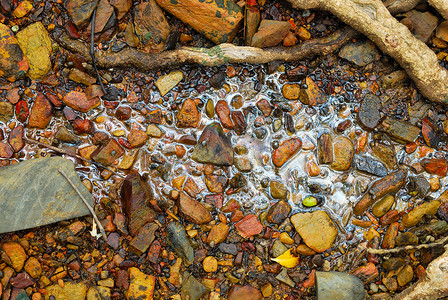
(108, 152)
(369, 112)
(369, 165)
(217, 80)
(278, 212)
(192, 289)
(80, 11)
(177, 239)
(418, 186)
(228, 248)
(399, 131)
(145, 236)
(214, 147)
(136, 195)
(22, 280)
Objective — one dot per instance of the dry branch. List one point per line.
(218, 55)
(371, 18)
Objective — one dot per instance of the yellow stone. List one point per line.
(119, 132)
(72, 291)
(141, 285)
(434, 183)
(286, 239)
(22, 9)
(35, 43)
(178, 182)
(167, 82)
(87, 151)
(33, 267)
(371, 233)
(101, 119)
(192, 233)
(210, 264)
(266, 290)
(153, 131)
(128, 159)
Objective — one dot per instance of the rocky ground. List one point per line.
(230, 182)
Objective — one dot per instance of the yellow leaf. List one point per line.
(287, 259)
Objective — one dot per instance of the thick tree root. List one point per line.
(218, 55)
(371, 18)
(441, 6)
(433, 285)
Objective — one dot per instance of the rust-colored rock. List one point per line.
(137, 138)
(13, 64)
(218, 233)
(5, 150)
(285, 151)
(192, 210)
(217, 20)
(388, 184)
(33, 267)
(223, 112)
(343, 150)
(366, 273)
(78, 101)
(311, 94)
(325, 146)
(151, 26)
(249, 226)
(389, 237)
(188, 115)
(435, 166)
(41, 112)
(15, 138)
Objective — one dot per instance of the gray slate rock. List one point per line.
(370, 166)
(192, 289)
(33, 193)
(178, 240)
(339, 286)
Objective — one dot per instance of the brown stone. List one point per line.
(191, 187)
(151, 26)
(285, 151)
(13, 64)
(192, 210)
(108, 152)
(249, 226)
(325, 146)
(265, 107)
(104, 12)
(137, 138)
(415, 215)
(78, 101)
(218, 233)
(246, 292)
(366, 273)
(388, 184)
(188, 115)
(270, 33)
(239, 120)
(80, 11)
(145, 236)
(389, 237)
(121, 6)
(343, 150)
(405, 275)
(33, 267)
(22, 281)
(278, 212)
(135, 195)
(214, 199)
(311, 95)
(217, 20)
(79, 76)
(252, 21)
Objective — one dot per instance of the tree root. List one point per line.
(441, 6)
(400, 6)
(371, 18)
(432, 285)
(439, 242)
(218, 55)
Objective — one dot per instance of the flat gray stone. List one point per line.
(339, 286)
(33, 193)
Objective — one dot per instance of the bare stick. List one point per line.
(103, 232)
(439, 242)
(92, 50)
(59, 150)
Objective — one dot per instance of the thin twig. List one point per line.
(92, 50)
(439, 242)
(103, 232)
(59, 150)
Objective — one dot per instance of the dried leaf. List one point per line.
(287, 259)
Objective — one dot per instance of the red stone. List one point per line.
(215, 200)
(249, 226)
(22, 111)
(6, 150)
(285, 151)
(435, 166)
(223, 111)
(83, 126)
(78, 101)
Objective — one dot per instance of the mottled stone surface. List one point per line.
(45, 195)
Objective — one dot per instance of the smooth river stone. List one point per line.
(33, 193)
